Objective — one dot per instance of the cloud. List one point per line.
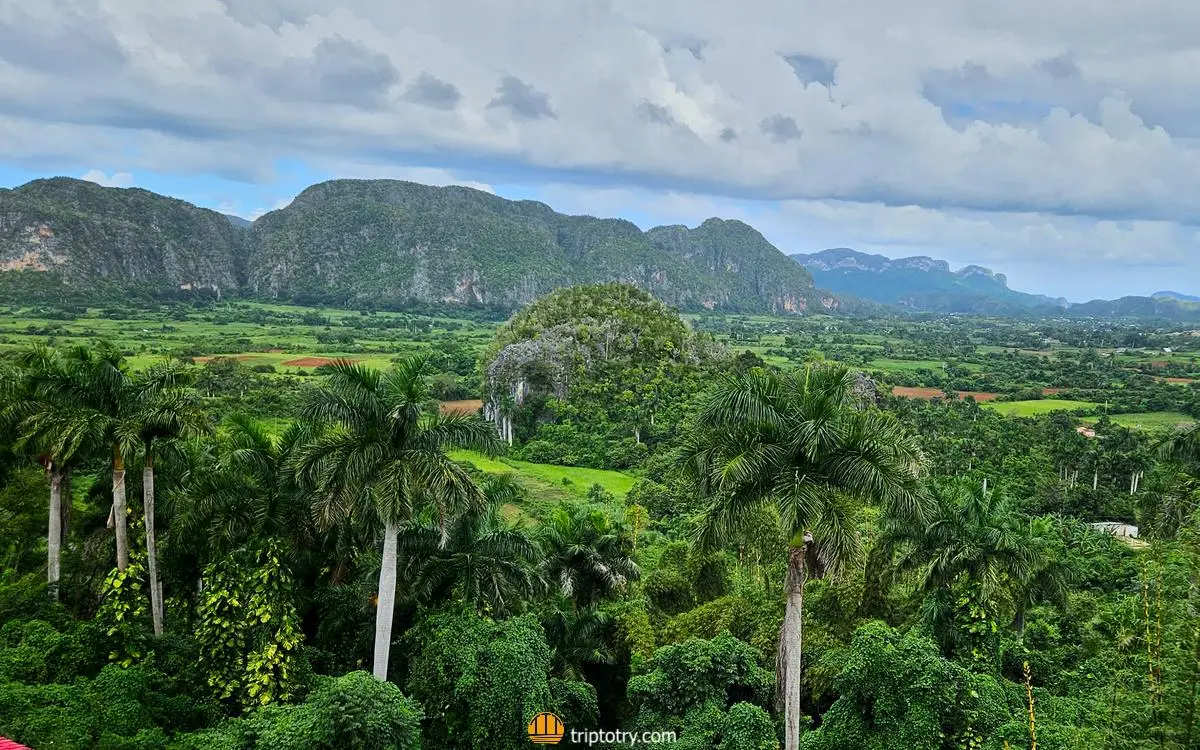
(986, 109)
(780, 128)
(116, 179)
(432, 91)
(523, 100)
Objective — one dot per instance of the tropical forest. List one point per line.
(237, 522)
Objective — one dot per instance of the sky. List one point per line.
(1057, 142)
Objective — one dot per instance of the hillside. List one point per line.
(90, 235)
(1176, 296)
(386, 242)
(918, 283)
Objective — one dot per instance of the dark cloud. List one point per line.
(71, 44)
(430, 91)
(523, 100)
(339, 71)
(781, 128)
(811, 69)
(728, 135)
(1059, 68)
(651, 112)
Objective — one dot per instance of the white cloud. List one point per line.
(1007, 130)
(116, 179)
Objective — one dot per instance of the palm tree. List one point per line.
(36, 404)
(482, 559)
(973, 542)
(380, 452)
(164, 409)
(798, 441)
(239, 489)
(587, 557)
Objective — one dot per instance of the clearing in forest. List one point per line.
(464, 406)
(909, 391)
(1039, 406)
(1151, 421)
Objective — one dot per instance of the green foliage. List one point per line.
(353, 712)
(481, 681)
(124, 613)
(710, 692)
(248, 628)
(896, 690)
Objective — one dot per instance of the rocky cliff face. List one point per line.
(353, 241)
(88, 234)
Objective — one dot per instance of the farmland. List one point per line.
(1040, 406)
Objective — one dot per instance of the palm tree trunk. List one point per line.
(791, 646)
(387, 600)
(54, 532)
(119, 509)
(156, 611)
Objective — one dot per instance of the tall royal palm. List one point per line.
(162, 408)
(381, 452)
(38, 405)
(803, 442)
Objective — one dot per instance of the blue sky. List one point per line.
(1057, 147)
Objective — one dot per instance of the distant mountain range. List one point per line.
(392, 243)
(923, 284)
(354, 242)
(919, 283)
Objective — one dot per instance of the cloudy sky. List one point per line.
(1058, 142)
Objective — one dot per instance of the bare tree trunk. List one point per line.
(387, 600)
(156, 608)
(119, 509)
(789, 662)
(1095, 479)
(54, 532)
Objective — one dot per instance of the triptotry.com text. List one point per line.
(619, 737)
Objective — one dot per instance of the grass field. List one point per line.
(1036, 407)
(544, 482)
(1154, 421)
(912, 365)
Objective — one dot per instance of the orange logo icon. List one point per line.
(546, 729)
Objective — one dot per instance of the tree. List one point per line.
(167, 409)
(801, 442)
(974, 550)
(379, 452)
(477, 558)
(588, 557)
(36, 404)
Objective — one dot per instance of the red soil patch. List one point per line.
(466, 406)
(1052, 391)
(311, 362)
(1181, 381)
(908, 391)
(1159, 363)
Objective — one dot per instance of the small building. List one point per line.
(1117, 529)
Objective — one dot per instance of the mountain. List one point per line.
(1176, 296)
(90, 235)
(238, 221)
(387, 242)
(1165, 308)
(919, 283)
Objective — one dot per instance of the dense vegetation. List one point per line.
(727, 528)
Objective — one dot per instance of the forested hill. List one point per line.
(919, 283)
(385, 242)
(89, 235)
